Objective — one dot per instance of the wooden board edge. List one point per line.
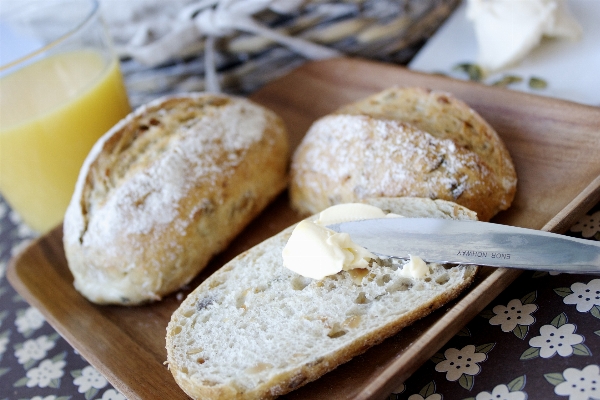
(126, 344)
(333, 64)
(581, 204)
(472, 303)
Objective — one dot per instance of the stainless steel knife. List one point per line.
(474, 242)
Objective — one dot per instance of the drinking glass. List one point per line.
(60, 89)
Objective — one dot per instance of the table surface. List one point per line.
(539, 339)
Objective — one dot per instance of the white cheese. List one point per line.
(507, 30)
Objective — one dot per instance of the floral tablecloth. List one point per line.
(540, 339)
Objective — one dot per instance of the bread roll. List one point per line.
(257, 330)
(403, 142)
(166, 189)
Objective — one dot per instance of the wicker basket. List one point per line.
(385, 30)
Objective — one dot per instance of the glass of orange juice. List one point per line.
(60, 89)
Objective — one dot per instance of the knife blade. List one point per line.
(473, 242)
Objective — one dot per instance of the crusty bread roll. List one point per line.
(166, 189)
(403, 142)
(257, 330)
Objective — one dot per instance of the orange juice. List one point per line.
(51, 114)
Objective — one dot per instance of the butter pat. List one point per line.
(414, 268)
(315, 251)
(507, 30)
(349, 212)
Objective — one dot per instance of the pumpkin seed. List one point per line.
(507, 80)
(474, 71)
(537, 83)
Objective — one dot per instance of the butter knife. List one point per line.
(473, 242)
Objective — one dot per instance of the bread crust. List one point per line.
(403, 142)
(166, 189)
(186, 335)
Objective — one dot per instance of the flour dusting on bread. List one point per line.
(198, 148)
(403, 142)
(166, 189)
(348, 157)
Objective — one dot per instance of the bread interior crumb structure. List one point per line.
(257, 330)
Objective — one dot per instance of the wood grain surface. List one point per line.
(554, 145)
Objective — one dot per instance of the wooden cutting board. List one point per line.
(555, 146)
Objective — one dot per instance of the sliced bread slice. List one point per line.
(256, 330)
